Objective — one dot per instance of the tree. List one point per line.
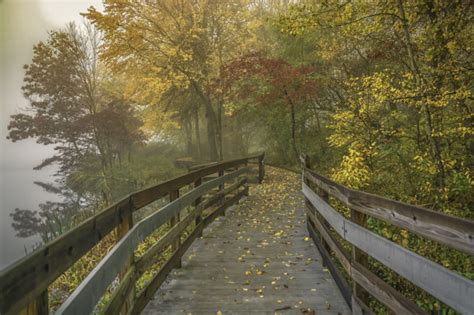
(402, 84)
(269, 80)
(68, 108)
(181, 45)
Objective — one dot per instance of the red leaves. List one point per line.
(244, 75)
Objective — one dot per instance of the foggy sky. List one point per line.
(24, 23)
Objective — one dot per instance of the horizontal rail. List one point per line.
(208, 164)
(455, 232)
(88, 293)
(147, 258)
(369, 281)
(147, 293)
(337, 276)
(29, 277)
(440, 282)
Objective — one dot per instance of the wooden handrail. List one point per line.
(89, 292)
(445, 285)
(27, 279)
(452, 231)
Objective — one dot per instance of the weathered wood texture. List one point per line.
(447, 286)
(147, 294)
(22, 282)
(255, 260)
(374, 285)
(89, 292)
(455, 232)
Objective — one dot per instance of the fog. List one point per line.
(23, 24)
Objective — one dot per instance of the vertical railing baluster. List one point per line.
(38, 306)
(323, 195)
(221, 188)
(360, 257)
(174, 220)
(197, 202)
(261, 168)
(126, 223)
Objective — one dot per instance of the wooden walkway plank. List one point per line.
(256, 260)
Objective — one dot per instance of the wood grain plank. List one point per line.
(146, 294)
(150, 194)
(340, 253)
(455, 290)
(383, 292)
(31, 275)
(26, 279)
(121, 294)
(455, 232)
(338, 278)
(147, 258)
(88, 293)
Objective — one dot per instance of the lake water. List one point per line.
(24, 23)
(18, 191)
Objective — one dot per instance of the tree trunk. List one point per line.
(189, 136)
(211, 122)
(212, 134)
(198, 134)
(293, 126)
(219, 131)
(434, 141)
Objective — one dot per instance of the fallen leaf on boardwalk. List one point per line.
(307, 311)
(219, 313)
(284, 308)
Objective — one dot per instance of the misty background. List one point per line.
(22, 25)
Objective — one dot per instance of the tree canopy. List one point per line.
(379, 95)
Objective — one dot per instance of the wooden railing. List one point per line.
(24, 285)
(324, 223)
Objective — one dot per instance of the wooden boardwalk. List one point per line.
(257, 259)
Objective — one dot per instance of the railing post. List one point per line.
(197, 202)
(246, 186)
(360, 257)
(323, 195)
(261, 168)
(126, 223)
(221, 188)
(38, 306)
(174, 220)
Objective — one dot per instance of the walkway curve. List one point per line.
(258, 259)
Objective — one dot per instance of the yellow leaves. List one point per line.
(219, 312)
(353, 170)
(278, 233)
